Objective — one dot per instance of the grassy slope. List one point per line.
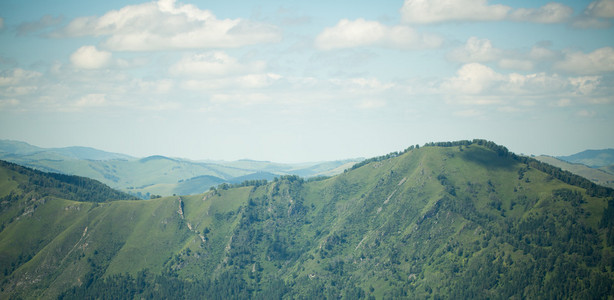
(165, 176)
(417, 224)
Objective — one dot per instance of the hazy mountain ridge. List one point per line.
(602, 176)
(155, 174)
(464, 219)
(591, 158)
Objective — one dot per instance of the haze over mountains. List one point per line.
(463, 219)
(157, 175)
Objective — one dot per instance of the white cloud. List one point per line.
(437, 11)
(585, 84)
(601, 9)
(166, 25)
(550, 13)
(595, 15)
(482, 51)
(18, 82)
(360, 32)
(473, 78)
(596, 62)
(88, 57)
(17, 76)
(249, 81)
(475, 50)
(213, 64)
(478, 82)
(434, 11)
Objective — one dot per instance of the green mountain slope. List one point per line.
(599, 176)
(462, 220)
(156, 174)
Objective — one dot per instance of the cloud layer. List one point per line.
(165, 25)
(360, 32)
(437, 11)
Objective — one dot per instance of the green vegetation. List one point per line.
(156, 175)
(462, 219)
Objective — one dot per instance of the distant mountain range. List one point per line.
(156, 175)
(453, 220)
(592, 158)
(595, 165)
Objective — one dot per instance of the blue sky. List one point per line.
(293, 81)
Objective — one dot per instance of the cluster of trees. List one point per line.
(383, 157)
(68, 187)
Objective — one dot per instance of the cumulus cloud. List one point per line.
(473, 78)
(596, 15)
(549, 13)
(437, 11)
(360, 32)
(165, 25)
(434, 11)
(476, 81)
(475, 50)
(88, 57)
(596, 62)
(215, 63)
(585, 84)
(482, 51)
(601, 9)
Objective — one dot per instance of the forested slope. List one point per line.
(464, 219)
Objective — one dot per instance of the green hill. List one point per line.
(446, 220)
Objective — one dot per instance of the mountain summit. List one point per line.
(462, 219)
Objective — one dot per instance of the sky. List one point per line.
(296, 81)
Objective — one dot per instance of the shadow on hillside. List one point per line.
(488, 159)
